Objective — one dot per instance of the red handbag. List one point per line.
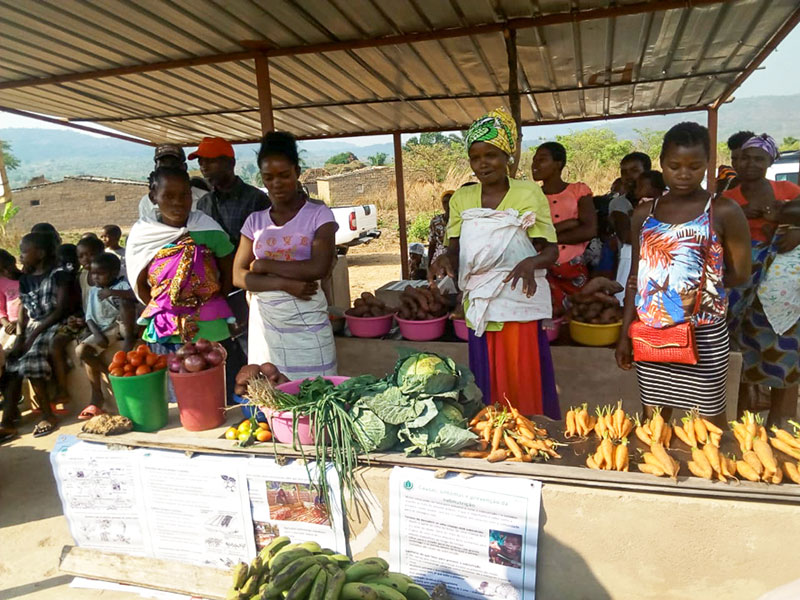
(675, 344)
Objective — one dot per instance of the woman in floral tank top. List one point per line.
(674, 238)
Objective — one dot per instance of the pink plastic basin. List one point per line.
(369, 327)
(422, 331)
(461, 329)
(280, 422)
(552, 327)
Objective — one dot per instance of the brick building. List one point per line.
(356, 187)
(78, 203)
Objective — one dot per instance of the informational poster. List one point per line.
(285, 502)
(101, 495)
(202, 509)
(198, 509)
(478, 535)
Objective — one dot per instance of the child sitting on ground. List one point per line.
(110, 238)
(111, 301)
(43, 293)
(87, 249)
(9, 297)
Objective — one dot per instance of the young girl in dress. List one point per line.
(9, 297)
(675, 237)
(44, 291)
(283, 254)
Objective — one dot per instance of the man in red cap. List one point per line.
(230, 200)
(229, 203)
(168, 155)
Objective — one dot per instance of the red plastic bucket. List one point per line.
(201, 398)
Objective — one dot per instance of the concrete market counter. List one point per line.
(601, 534)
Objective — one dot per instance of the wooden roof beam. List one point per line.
(460, 126)
(256, 48)
(434, 97)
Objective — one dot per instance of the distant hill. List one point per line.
(55, 153)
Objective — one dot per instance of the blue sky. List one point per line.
(779, 76)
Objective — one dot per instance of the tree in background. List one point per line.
(378, 159)
(342, 158)
(434, 138)
(11, 161)
(790, 144)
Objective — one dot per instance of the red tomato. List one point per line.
(151, 359)
(117, 372)
(142, 349)
(136, 360)
(143, 370)
(119, 358)
(128, 368)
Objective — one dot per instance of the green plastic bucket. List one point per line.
(143, 399)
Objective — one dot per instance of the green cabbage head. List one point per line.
(427, 374)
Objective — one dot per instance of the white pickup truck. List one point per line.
(357, 225)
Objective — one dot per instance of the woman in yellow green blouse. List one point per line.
(500, 242)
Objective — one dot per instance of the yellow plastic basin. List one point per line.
(588, 334)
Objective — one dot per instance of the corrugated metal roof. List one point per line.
(446, 63)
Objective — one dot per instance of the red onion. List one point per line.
(202, 346)
(174, 363)
(214, 357)
(187, 349)
(194, 363)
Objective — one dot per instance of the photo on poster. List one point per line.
(505, 549)
(296, 502)
(264, 533)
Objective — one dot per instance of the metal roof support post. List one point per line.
(713, 119)
(510, 36)
(264, 94)
(401, 202)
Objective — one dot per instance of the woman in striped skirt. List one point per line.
(674, 238)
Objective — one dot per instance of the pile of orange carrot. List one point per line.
(612, 428)
(505, 434)
(654, 429)
(579, 422)
(697, 430)
(658, 462)
(613, 423)
(789, 445)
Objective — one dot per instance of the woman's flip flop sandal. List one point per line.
(43, 428)
(59, 408)
(90, 411)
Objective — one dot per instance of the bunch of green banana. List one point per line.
(286, 571)
(370, 579)
(249, 580)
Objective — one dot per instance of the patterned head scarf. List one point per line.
(497, 128)
(763, 142)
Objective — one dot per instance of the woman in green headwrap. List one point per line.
(500, 241)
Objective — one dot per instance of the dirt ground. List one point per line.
(32, 528)
(371, 266)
